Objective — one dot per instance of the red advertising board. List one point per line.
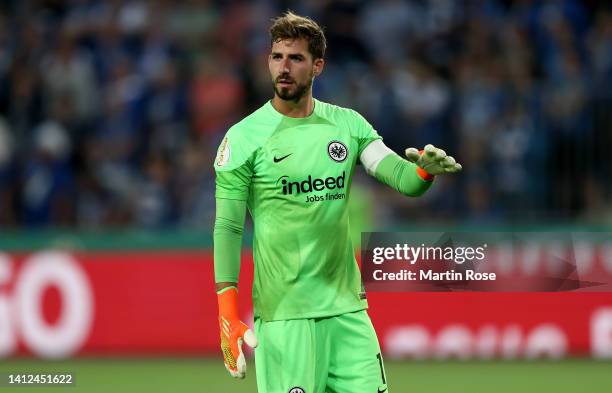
(59, 304)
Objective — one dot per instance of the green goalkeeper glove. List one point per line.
(432, 160)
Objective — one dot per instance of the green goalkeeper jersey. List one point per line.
(295, 176)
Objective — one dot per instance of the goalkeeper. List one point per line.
(290, 163)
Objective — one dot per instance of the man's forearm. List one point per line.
(402, 176)
(229, 223)
(389, 168)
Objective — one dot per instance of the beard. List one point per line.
(285, 93)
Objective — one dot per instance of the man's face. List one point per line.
(292, 68)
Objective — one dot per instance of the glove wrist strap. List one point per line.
(227, 299)
(423, 174)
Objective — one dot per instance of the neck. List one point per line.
(301, 108)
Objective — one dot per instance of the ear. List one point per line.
(317, 66)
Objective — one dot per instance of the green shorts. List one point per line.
(338, 354)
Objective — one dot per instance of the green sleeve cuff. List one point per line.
(219, 292)
(401, 175)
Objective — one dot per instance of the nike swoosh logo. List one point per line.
(381, 391)
(276, 160)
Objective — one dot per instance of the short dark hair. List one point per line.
(292, 26)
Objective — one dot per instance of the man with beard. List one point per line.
(290, 163)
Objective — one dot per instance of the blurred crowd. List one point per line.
(111, 111)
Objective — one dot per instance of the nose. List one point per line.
(285, 65)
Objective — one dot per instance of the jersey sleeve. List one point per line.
(234, 167)
(401, 175)
(234, 171)
(227, 236)
(363, 131)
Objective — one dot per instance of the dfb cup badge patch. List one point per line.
(297, 389)
(337, 151)
(224, 153)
